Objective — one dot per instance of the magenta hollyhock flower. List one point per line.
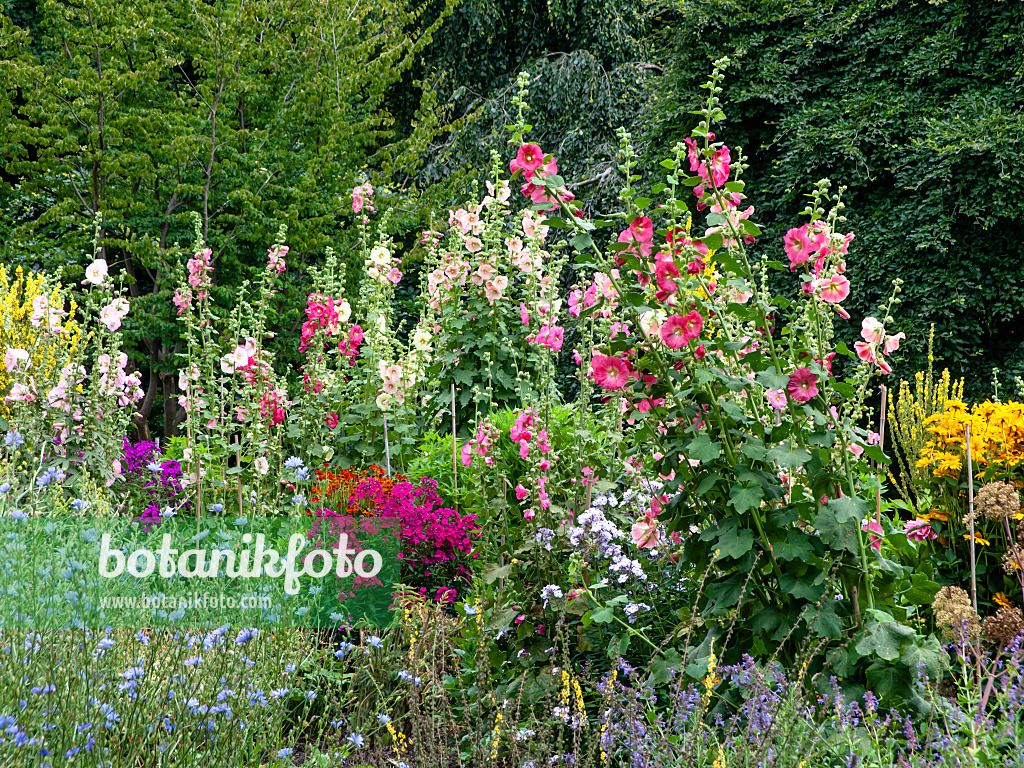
(674, 333)
(875, 533)
(835, 289)
(528, 159)
(919, 530)
(331, 420)
(803, 385)
(642, 229)
(694, 324)
(609, 371)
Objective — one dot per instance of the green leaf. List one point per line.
(582, 241)
(497, 573)
(703, 449)
(770, 380)
(603, 615)
(797, 546)
(745, 496)
(826, 623)
(789, 455)
(706, 484)
(838, 535)
(734, 543)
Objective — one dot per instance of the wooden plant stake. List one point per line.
(970, 515)
(455, 453)
(881, 443)
(387, 448)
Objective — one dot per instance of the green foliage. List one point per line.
(916, 107)
(249, 114)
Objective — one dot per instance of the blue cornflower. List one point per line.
(470, 610)
(357, 739)
(298, 499)
(277, 693)
(290, 668)
(245, 635)
(403, 675)
(217, 507)
(193, 661)
(384, 719)
(302, 473)
(45, 478)
(337, 723)
(4, 488)
(80, 504)
(292, 462)
(13, 440)
(284, 752)
(168, 511)
(155, 466)
(375, 641)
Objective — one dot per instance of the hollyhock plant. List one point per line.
(609, 371)
(802, 385)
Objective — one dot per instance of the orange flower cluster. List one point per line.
(333, 489)
(997, 438)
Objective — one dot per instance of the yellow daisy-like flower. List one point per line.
(977, 538)
(1002, 600)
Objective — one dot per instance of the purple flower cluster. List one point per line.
(153, 484)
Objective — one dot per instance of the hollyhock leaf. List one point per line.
(716, 220)
(751, 228)
(735, 186)
(842, 349)
(735, 543)
(844, 389)
(554, 221)
(497, 573)
(582, 241)
(789, 456)
(603, 615)
(657, 189)
(876, 454)
(803, 588)
(766, 620)
(754, 449)
(703, 449)
(770, 380)
(826, 623)
(642, 202)
(693, 181)
(822, 439)
(707, 484)
(839, 662)
(797, 546)
(922, 590)
(744, 497)
(848, 509)
(838, 535)
(713, 242)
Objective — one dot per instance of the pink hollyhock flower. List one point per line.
(674, 332)
(556, 337)
(777, 398)
(355, 335)
(856, 449)
(865, 352)
(835, 289)
(577, 357)
(642, 229)
(892, 343)
(919, 530)
(692, 154)
(798, 245)
(699, 352)
(609, 371)
(528, 159)
(357, 202)
(645, 248)
(883, 366)
(524, 316)
(664, 273)
(466, 454)
(645, 531)
(395, 275)
(521, 492)
(719, 167)
(694, 324)
(331, 420)
(803, 385)
(875, 533)
(871, 330)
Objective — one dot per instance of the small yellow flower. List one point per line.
(977, 538)
(1002, 600)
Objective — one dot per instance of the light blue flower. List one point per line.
(292, 462)
(13, 440)
(155, 466)
(4, 488)
(217, 507)
(384, 719)
(301, 473)
(357, 739)
(284, 752)
(375, 641)
(299, 499)
(80, 504)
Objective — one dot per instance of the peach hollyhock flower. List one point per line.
(492, 291)
(473, 244)
(875, 533)
(610, 372)
(871, 330)
(15, 357)
(892, 343)
(835, 289)
(645, 531)
(865, 352)
(803, 385)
